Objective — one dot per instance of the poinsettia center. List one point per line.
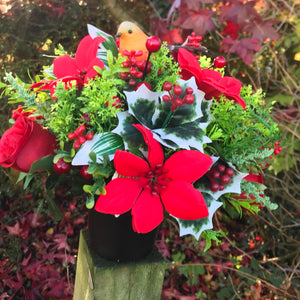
(156, 179)
(82, 74)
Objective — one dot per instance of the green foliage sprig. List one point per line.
(164, 66)
(65, 112)
(18, 91)
(247, 134)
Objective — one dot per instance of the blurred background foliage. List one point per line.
(30, 30)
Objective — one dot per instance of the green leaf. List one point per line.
(105, 143)
(21, 176)
(43, 164)
(28, 179)
(90, 201)
(108, 44)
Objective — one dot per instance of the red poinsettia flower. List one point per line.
(82, 66)
(148, 187)
(209, 81)
(79, 69)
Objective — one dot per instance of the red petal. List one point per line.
(147, 212)
(187, 165)
(155, 152)
(87, 51)
(183, 201)
(65, 66)
(128, 164)
(255, 178)
(121, 193)
(91, 73)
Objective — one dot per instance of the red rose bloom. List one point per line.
(25, 143)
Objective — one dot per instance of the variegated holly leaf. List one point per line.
(196, 227)
(233, 187)
(108, 44)
(101, 143)
(180, 129)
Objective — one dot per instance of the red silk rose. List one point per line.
(25, 143)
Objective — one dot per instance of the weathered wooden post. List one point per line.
(100, 279)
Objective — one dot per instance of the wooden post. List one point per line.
(100, 279)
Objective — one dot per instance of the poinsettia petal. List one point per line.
(91, 72)
(128, 164)
(87, 51)
(255, 178)
(189, 64)
(64, 66)
(155, 152)
(121, 193)
(183, 201)
(147, 212)
(187, 165)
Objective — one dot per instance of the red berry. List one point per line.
(225, 179)
(229, 171)
(132, 82)
(141, 64)
(84, 173)
(221, 168)
(189, 90)
(167, 86)
(71, 136)
(189, 99)
(153, 44)
(82, 139)
(214, 186)
(166, 98)
(77, 144)
(215, 174)
(139, 74)
(178, 90)
(86, 117)
(124, 75)
(61, 167)
(133, 71)
(276, 151)
(80, 130)
(219, 62)
(138, 53)
(221, 187)
(126, 64)
(89, 136)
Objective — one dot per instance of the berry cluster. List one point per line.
(177, 91)
(277, 149)
(78, 136)
(194, 40)
(219, 176)
(136, 67)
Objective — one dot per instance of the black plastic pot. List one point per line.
(114, 239)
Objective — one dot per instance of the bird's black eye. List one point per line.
(129, 31)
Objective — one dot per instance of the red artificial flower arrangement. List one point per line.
(169, 135)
